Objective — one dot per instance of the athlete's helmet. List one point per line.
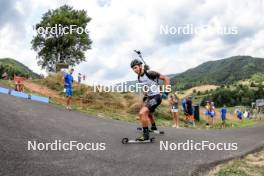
(135, 62)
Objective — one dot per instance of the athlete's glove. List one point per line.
(164, 95)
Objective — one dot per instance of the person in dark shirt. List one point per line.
(239, 114)
(189, 111)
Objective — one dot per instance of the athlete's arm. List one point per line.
(166, 80)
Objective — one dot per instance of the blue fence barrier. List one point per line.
(4, 90)
(19, 94)
(40, 98)
(24, 95)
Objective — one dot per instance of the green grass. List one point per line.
(243, 123)
(250, 165)
(7, 83)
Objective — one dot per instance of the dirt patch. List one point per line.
(45, 91)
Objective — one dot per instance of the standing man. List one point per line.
(189, 111)
(79, 78)
(184, 105)
(207, 113)
(223, 116)
(68, 80)
(152, 98)
(239, 114)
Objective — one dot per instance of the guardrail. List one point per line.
(24, 95)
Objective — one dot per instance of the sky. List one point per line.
(173, 35)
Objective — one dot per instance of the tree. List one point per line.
(62, 37)
(258, 77)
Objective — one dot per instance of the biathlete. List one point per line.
(152, 98)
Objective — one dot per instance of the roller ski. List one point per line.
(155, 131)
(139, 140)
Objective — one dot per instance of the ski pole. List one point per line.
(140, 56)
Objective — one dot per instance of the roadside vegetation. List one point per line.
(250, 165)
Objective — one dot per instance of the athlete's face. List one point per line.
(137, 69)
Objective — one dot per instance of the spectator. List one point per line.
(5, 76)
(184, 104)
(207, 112)
(19, 83)
(79, 78)
(173, 100)
(245, 114)
(212, 114)
(223, 116)
(189, 111)
(68, 80)
(239, 114)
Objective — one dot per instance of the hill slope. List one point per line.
(11, 67)
(223, 71)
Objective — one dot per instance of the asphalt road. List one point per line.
(23, 120)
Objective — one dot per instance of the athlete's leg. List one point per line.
(152, 104)
(151, 117)
(143, 114)
(152, 121)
